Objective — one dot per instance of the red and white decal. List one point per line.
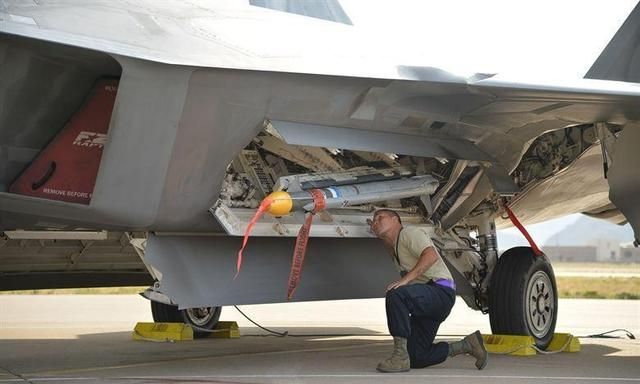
(67, 168)
(90, 139)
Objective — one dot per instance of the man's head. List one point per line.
(384, 220)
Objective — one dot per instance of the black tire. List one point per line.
(523, 297)
(165, 313)
(204, 318)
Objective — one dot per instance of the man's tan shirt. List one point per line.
(409, 246)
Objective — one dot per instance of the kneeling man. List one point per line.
(420, 300)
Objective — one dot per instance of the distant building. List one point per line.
(607, 250)
(571, 253)
(604, 252)
(629, 253)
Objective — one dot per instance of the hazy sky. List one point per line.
(542, 231)
(534, 39)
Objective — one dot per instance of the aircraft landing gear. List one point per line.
(205, 317)
(523, 297)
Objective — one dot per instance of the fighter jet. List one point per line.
(139, 139)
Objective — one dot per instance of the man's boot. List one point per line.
(473, 345)
(399, 360)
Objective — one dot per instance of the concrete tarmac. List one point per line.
(75, 339)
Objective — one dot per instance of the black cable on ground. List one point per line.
(605, 335)
(283, 334)
(286, 333)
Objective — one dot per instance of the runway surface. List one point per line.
(59, 339)
(620, 270)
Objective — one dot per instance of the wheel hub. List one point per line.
(200, 316)
(540, 304)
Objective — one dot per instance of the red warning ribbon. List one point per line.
(300, 249)
(318, 200)
(264, 207)
(518, 224)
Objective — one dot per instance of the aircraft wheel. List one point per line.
(523, 297)
(205, 317)
(165, 313)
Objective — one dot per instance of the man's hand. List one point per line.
(427, 258)
(396, 284)
(370, 228)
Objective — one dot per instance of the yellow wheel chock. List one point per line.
(171, 332)
(226, 330)
(525, 345)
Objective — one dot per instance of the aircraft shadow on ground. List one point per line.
(100, 351)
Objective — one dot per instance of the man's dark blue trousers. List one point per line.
(415, 312)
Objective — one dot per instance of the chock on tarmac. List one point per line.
(564, 342)
(525, 345)
(171, 332)
(226, 330)
(162, 332)
(509, 345)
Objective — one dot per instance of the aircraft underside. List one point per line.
(123, 171)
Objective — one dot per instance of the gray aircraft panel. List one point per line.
(620, 60)
(176, 127)
(347, 138)
(199, 271)
(623, 176)
(218, 34)
(581, 187)
(209, 34)
(197, 82)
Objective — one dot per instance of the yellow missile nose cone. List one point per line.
(281, 205)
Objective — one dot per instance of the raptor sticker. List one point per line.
(67, 167)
